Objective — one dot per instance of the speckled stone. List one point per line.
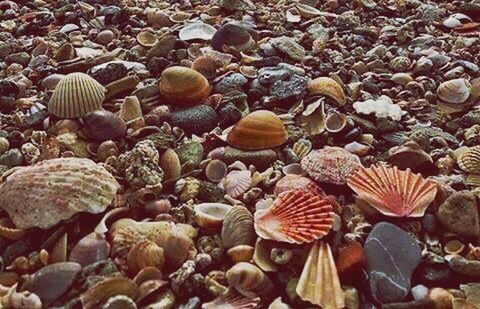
(459, 214)
(197, 119)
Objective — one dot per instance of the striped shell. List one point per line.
(183, 86)
(291, 182)
(232, 300)
(238, 228)
(258, 130)
(329, 87)
(319, 282)
(237, 182)
(296, 216)
(331, 165)
(455, 91)
(75, 95)
(393, 192)
(469, 160)
(46, 193)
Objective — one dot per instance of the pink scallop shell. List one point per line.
(237, 182)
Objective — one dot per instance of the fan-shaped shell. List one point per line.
(145, 253)
(90, 249)
(75, 95)
(455, 91)
(393, 192)
(197, 31)
(238, 228)
(319, 282)
(232, 300)
(249, 280)
(296, 216)
(43, 194)
(211, 214)
(329, 87)
(469, 160)
(237, 182)
(183, 86)
(258, 130)
(331, 165)
(292, 182)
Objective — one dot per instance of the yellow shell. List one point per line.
(183, 86)
(329, 87)
(469, 160)
(75, 95)
(147, 38)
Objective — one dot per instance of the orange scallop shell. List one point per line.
(183, 86)
(258, 130)
(393, 192)
(296, 216)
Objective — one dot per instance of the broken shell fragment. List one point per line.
(102, 291)
(336, 122)
(328, 87)
(197, 31)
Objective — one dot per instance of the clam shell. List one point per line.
(455, 91)
(296, 216)
(336, 122)
(330, 164)
(261, 255)
(216, 170)
(209, 215)
(146, 274)
(292, 182)
(207, 66)
(170, 164)
(393, 192)
(95, 296)
(237, 182)
(197, 31)
(469, 160)
(258, 130)
(473, 180)
(313, 118)
(408, 155)
(143, 254)
(75, 95)
(249, 280)
(90, 249)
(232, 34)
(43, 194)
(454, 247)
(232, 300)
(319, 282)
(183, 86)
(147, 38)
(238, 228)
(241, 253)
(329, 87)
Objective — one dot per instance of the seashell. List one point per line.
(147, 38)
(207, 66)
(278, 304)
(294, 168)
(408, 155)
(51, 81)
(473, 180)
(296, 216)
(232, 300)
(330, 164)
(302, 147)
(292, 182)
(43, 194)
(90, 249)
(469, 160)
(216, 170)
(197, 31)
(357, 148)
(236, 183)
(460, 303)
(258, 130)
(455, 91)
(249, 280)
(183, 86)
(75, 95)
(261, 254)
(313, 118)
(146, 274)
(180, 17)
(454, 247)
(319, 282)
(130, 109)
(402, 78)
(307, 11)
(328, 87)
(241, 253)
(393, 192)
(8, 231)
(170, 164)
(98, 294)
(232, 34)
(103, 125)
(382, 107)
(125, 84)
(50, 282)
(336, 122)
(211, 215)
(143, 254)
(58, 253)
(248, 71)
(119, 301)
(149, 287)
(238, 228)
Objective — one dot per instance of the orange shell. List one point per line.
(296, 216)
(291, 182)
(393, 192)
(183, 86)
(329, 87)
(258, 130)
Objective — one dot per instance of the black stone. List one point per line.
(197, 119)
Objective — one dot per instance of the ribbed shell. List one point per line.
(455, 91)
(145, 253)
(232, 300)
(296, 216)
(258, 130)
(238, 228)
(46, 193)
(319, 282)
(329, 87)
(473, 180)
(331, 165)
(393, 192)
(237, 182)
(291, 182)
(469, 161)
(183, 86)
(75, 95)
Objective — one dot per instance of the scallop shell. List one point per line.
(249, 280)
(95, 296)
(75, 95)
(302, 147)
(145, 253)
(296, 216)
(455, 91)
(197, 31)
(469, 160)
(238, 228)
(329, 87)
(147, 38)
(319, 282)
(237, 182)
(209, 215)
(232, 300)
(90, 249)
(183, 86)
(258, 130)
(292, 182)
(43, 194)
(216, 170)
(393, 192)
(473, 180)
(336, 122)
(331, 165)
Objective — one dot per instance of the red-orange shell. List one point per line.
(183, 86)
(291, 182)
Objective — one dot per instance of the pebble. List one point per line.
(462, 266)
(459, 214)
(231, 82)
(12, 157)
(197, 119)
(290, 47)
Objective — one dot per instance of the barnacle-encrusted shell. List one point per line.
(319, 282)
(238, 228)
(469, 160)
(296, 216)
(393, 192)
(258, 130)
(43, 194)
(75, 95)
(329, 87)
(183, 86)
(232, 300)
(455, 91)
(330, 164)
(249, 280)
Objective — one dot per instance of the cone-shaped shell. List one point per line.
(331, 165)
(183, 86)
(238, 228)
(43, 194)
(249, 280)
(258, 130)
(319, 282)
(455, 91)
(296, 216)
(232, 300)
(393, 192)
(75, 95)
(329, 87)
(469, 160)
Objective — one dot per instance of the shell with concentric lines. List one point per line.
(75, 95)
(469, 161)
(183, 86)
(48, 192)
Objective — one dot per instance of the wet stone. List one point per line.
(282, 90)
(231, 82)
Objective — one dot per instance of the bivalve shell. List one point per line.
(102, 291)
(143, 254)
(147, 38)
(90, 249)
(469, 160)
(232, 300)
(238, 228)
(216, 170)
(455, 91)
(183, 86)
(237, 182)
(197, 31)
(336, 122)
(329, 87)
(211, 215)
(292, 182)
(249, 280)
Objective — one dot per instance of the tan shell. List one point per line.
(454, 247)
(329, 87)
(75, 95)
(241, 253)
(210, 215)
(170, 164)
(455, 91)
(147, 38)
(469, 160)
(145, 253)
(313, 118)
(48, 192)
(216, 170)
(249, 280)
(130, 109)
(408, 155)
(261, 255)
(319, 282)
(232, 300)
(99, 293)
(238, 228)
(8, 231)
(183, 86)
(58, 253)
(336, 122)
